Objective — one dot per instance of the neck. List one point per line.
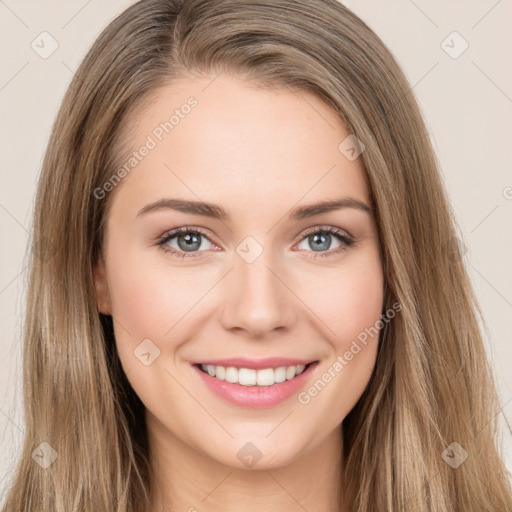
(184, 479)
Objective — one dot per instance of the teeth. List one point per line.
(265, 377)
(231, 374)
(220, 372)
(280, 374)
(249, 377)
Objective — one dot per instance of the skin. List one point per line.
(258, 154)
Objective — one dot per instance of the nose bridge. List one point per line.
(256, 299)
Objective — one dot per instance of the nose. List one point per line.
(257, 300)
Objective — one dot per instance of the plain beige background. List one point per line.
(465, 95)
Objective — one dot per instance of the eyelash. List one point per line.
(347, 240)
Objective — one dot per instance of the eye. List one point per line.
(320, 240)
(186, 242)
(183, 242)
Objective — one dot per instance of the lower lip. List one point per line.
(256, 396)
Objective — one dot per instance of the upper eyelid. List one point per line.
(327, 228)
(171, 233)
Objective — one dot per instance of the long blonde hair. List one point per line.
(432, 384)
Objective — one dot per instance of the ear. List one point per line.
(102, 291)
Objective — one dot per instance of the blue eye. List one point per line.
(186, 242)
(187, 239)
(321, 238)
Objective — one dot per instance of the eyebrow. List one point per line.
(218, 212)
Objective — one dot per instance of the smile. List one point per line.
(251, 377)
(269, 384)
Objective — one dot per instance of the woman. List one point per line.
(186, 346)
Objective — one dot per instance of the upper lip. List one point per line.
(256, 364)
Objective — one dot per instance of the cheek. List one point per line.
(149, 297)
(355, 306)
(351, 306)
(149, 300)
(350, 300)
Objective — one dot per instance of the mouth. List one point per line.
(265, 386)
(253, 377)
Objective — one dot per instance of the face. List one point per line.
(270, 296)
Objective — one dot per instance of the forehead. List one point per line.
(224, 139)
